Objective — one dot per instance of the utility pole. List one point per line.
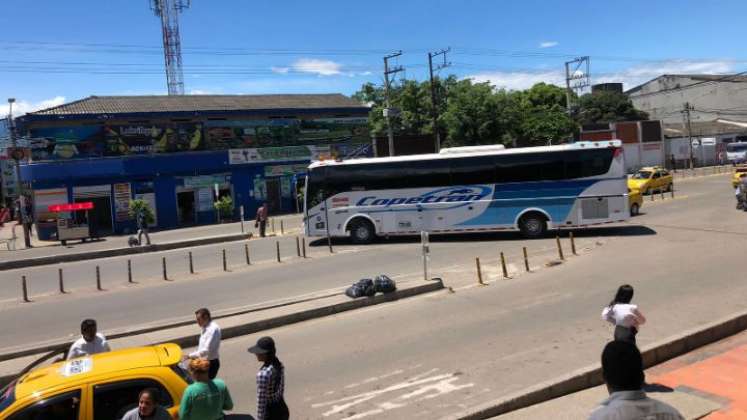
(19, 184)
(434, 102)
(686, 117)
(388, 111)
(577, 77)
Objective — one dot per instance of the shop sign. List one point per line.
(270, 154)
(285, 170)
(206, 181)
(205, 199)
(122, 202)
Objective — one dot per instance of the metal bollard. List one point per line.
(672, 191)
(661, 190)
(25, 289)
(560, 248)
(246, 253)
(653, 194)
(191, 264)
(303, 246)
(329, 243)
(277, 247)
(573, 243)
(479, 271)
(282, 229)
(225, 262)
(298, 247)
(163, 264)
(129, 271)
(98, 279)
(62, 281)
(503, 266)
(526, 259)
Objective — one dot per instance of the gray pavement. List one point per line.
(432, 356)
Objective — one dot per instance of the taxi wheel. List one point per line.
(634, 210)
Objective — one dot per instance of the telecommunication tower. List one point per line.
(168, 11)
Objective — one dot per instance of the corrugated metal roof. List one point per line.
(196, 103)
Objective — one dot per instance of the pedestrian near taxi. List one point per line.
(90, 341)
(623, 315)
(270, 382)
(209, 344)
(205, 398)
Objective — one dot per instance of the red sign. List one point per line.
(56, 208)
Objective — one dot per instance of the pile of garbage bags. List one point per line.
(367, 287)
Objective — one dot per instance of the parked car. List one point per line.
(650, 179)
(635, 201)
(102, 386)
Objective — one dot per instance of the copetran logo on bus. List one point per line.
(462, 195)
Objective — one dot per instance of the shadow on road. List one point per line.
(238, 417)
(629, 230)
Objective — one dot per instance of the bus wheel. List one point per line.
(533, 225)
(361, 231)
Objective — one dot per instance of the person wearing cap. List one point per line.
(90, 342)
(205, 398)
(209, 343)
(270, 382)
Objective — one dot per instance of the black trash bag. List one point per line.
(384, 284)
(364, 287)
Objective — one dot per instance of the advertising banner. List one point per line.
(122, 202)
(270, 154)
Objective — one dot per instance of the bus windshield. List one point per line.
(736, 147)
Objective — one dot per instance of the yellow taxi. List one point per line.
(739, 172)
(650, 179)
(635, 201)
(102, 386)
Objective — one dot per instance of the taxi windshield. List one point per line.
(642, 175)
(7, 396)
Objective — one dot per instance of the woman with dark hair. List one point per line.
(623, 315)
(148, 407)
(270, 382)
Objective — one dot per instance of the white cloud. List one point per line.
(280, 70)
(516, 80)
(204, 92)
(634, 76)
(548, 44)
(21, 107)
(316, 66)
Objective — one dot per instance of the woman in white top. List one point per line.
(625, 316)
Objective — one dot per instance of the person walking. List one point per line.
(270, 382)
(622, 370)
(623, 315)
(209, 344)
(148, 407)
(205, 398)
(142, 227)
(90, 342)
(261, 220)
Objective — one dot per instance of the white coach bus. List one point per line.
(468, 189)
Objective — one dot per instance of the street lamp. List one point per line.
(19, 184)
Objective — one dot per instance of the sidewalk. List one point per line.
(708, 383)
(291, 224)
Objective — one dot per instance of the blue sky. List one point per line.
(55, 51)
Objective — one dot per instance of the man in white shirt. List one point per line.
(209, 341)
(622, 369)
(90, 341)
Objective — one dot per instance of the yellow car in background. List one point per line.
(739, 172)
(650, 179)
(102, 386)
(635, 201)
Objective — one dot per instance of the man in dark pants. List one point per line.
(261, 220)
(209, 343)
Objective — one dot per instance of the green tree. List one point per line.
(543, 116)
(139, 205)
(604, 107)
(224, 207)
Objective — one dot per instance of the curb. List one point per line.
(248, 328)
(591, 376)
(92, 255)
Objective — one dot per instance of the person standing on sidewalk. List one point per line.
(623, 315)
(622, 369)
(206, 398)
(261, 220)
(142, 227)
(270, 382)
(90, 342)
(209, 341)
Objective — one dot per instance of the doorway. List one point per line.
(273, 195)
(99, 218)
(185, 206)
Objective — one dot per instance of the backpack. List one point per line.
(384, 284)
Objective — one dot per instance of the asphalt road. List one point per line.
(431, 356)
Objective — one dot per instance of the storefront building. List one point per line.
(182, 153)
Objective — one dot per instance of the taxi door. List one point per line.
(69, 403)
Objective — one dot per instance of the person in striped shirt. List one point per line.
(270, 382)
